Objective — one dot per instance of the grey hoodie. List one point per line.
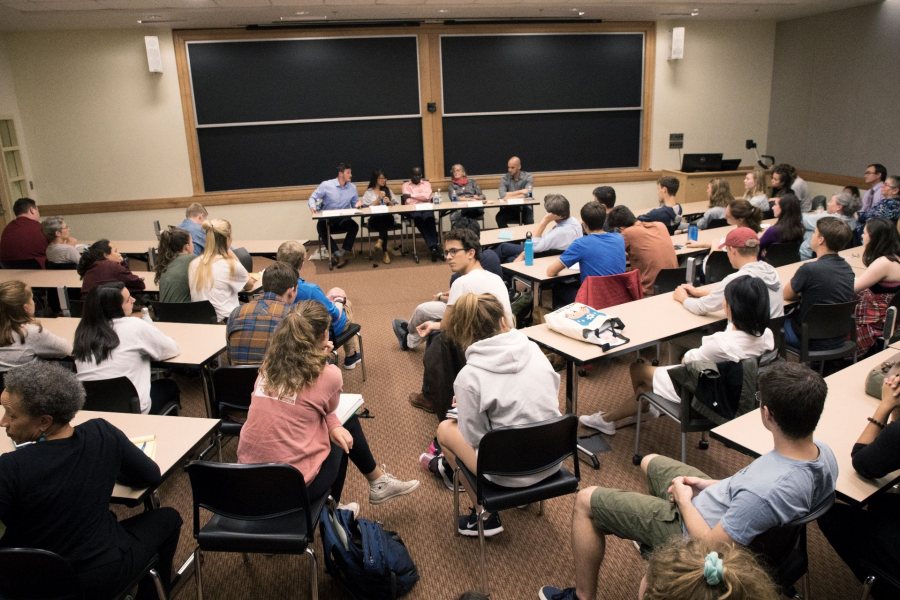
(715, 300)
(507, 380)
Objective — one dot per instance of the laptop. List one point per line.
(692, 163)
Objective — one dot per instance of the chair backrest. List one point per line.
(716, 223)
(247, 492)
(823, 321)
(55, 266)
(528, 449)
(610, 290)
(890, 325)
(157, 230)
(233, 386)
(21, 264)
(185, 312)
(818, 202)
(783, 253)
(244, 257)
(669, 279)
(718, 267)
(33, 574)
(112, 395)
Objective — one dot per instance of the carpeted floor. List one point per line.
(534, 550)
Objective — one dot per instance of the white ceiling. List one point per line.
(25, 15)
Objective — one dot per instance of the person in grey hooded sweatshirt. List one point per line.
(506, 381)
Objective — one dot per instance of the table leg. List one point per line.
(328, 244)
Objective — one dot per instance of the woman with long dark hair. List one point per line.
(110, 344)
(876, 286)
(101, 263)
(379, 194)
(788, 227)
(176, 251)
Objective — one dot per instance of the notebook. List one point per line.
(348, 405)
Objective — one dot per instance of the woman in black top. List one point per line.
(55, 487)
(870, 535)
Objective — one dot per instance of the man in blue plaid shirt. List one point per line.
(251, 325)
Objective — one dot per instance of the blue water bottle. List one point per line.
(529, 250)
(693, 232)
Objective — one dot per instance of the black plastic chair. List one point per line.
(817, 203)
(784, 550)
(718, 267)
(185, 312)
(54, 266)
(349, 331)
(232, 388)
(117, 395)
(256, 508)
(244, 258)
(683, 413)
(783, 253)
(33, 574)
(716, 223)
(886, 582)
(827, 321)
(157, 229)
(518, 451)
(669, 279)
(21, 264)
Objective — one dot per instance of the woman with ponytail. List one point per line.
(217, 275)
(176, 251)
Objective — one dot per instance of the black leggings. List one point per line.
(383, 225)
(330, 478)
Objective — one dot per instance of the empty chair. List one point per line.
(255, 508)
(783, 253)
(117, 395)
(157, 229)
(826, 322)
(232, 388)
(716, 223)
(669, 279)
(244, 257)
(718, 267)
(185, 312)
(352, 329)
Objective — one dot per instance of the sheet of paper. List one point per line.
(343, 212)
(474, 204)
(425, 206)
(505, 235)
(515, 201)
(146, 444)
(381, 208)
(347, 406)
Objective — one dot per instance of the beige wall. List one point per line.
(101, 127)
(9, 109)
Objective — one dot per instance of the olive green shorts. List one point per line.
(650, 519)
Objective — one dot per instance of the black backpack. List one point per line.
(369, 562)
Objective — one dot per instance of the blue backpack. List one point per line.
(369, 562)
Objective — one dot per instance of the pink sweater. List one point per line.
(295, 430)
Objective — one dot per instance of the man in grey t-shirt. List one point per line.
(515, 184)
(776, 489)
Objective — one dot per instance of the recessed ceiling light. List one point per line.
(695, 12)
(443, 11)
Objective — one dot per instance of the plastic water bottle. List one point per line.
(145, 315)
(693, 232)
(529, 250)
(436, 198)
(453, 196)
(530, 192)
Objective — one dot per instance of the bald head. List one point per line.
(513, 166)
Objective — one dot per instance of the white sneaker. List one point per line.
(651, 414)
(596, 421)
(387, 486)
(351, 506)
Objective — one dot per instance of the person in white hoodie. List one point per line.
(506, 381)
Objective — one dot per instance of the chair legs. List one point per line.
(312, 564)
(313, 574)
(198, 556)
(362, 355)
(482, 566)
(157, 584)
(867, 587)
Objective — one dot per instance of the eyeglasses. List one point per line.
(869, 173)
(451, 252)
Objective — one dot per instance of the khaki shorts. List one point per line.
(649, 519)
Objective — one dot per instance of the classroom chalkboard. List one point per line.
(559, 101)
(284, 112)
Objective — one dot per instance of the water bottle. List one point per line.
(145, 315)
(529, 250)
(453, 196)
(436, 198)
(693, 232)
(530, 193)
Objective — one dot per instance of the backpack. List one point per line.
(369, 562)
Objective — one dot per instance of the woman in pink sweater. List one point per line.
(291, 418)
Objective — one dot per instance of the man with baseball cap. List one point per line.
(742, 246)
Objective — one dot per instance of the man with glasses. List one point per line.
(873, 177)
(23, 238)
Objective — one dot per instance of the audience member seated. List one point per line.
(515, 184)
(101, 263)
(742, 247)
(336, 194)
(23, 238)
(173, 259)
(781, 180)
(868, 535)
(693, 570)
(788, 227)
(853, 191)
(648, 247)
(739, 213)
(291, 418)
(379, 194)
(418, 191)
(110, 344)
(60, 244)
(443, 358)
(22, 339)
(827, 280)
(718, 192)
(888, 208)
(194, 218)
(800, 188)
(669, 211)
(842, 206)
(468, 273)
(746, 336)
(597, 253)
(251, 325)
(57, 486)
(876, 286)
(507, 381)
(756, 188)
(605, 195)
(566, 229)
(780, 487)
(217, 275)
(873, 177)
(490, 260)
(336, 302)
(464, 188)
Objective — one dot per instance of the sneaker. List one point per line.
(379, 244)
(339, 262)
(435, 253)
(651, 414)
(387, 486)
(386, 257)
(418, 401)
(446, 473)
(468, 525)
(425, 460)
(548, 592)
(401, 330)
(351, 361)
(596, 421)
(351, 506)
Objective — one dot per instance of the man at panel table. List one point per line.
(337, 194)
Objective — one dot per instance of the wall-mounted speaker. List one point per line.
(676, 51)
(154, 58)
